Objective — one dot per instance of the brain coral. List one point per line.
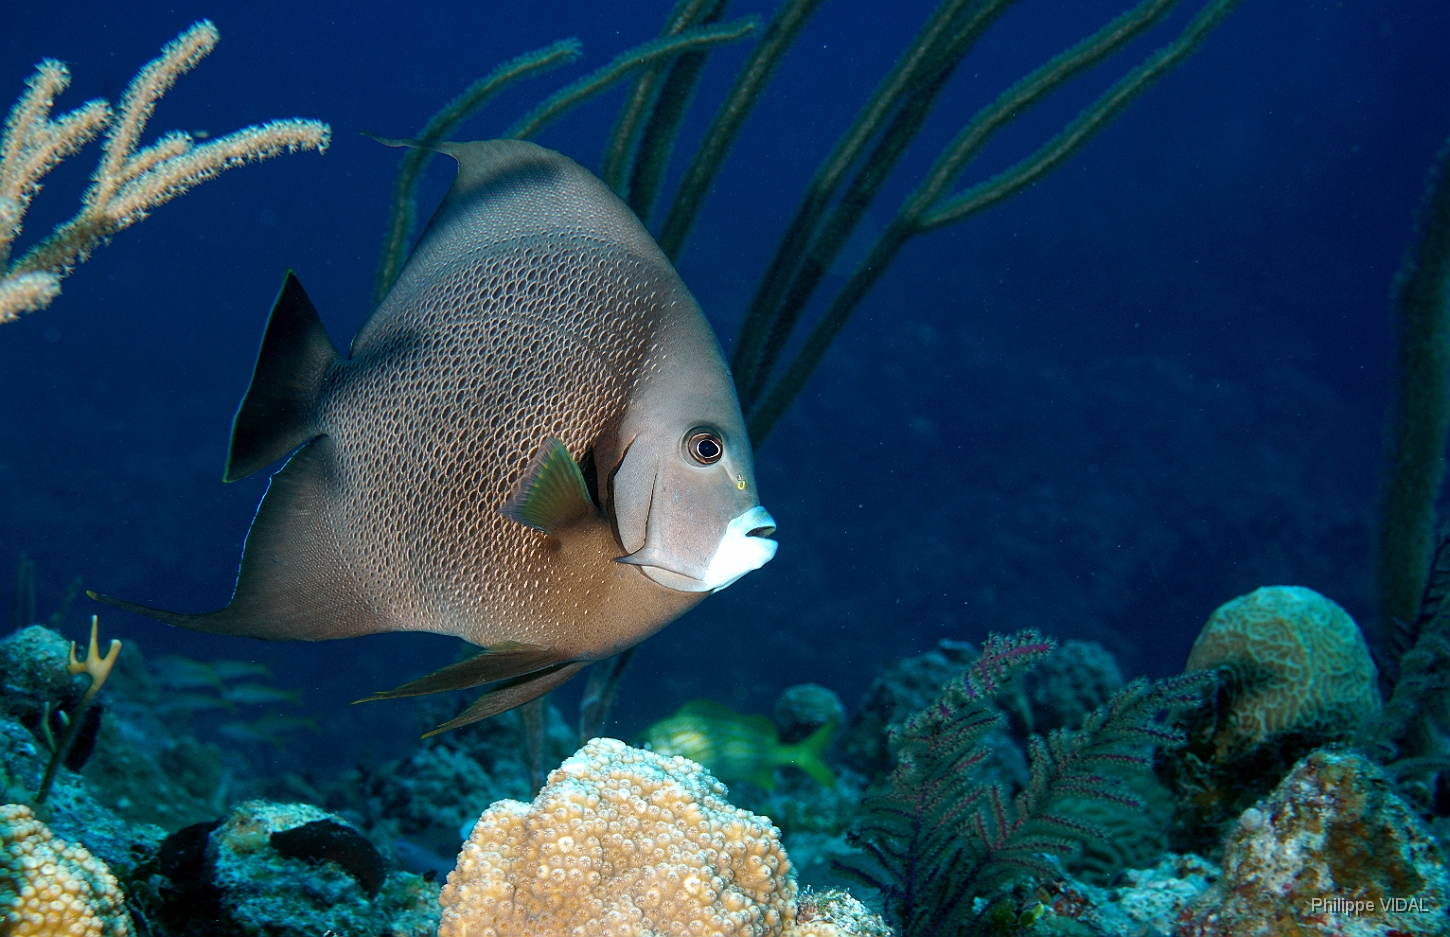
(1298, 661)
(622, 842)
(51, 888)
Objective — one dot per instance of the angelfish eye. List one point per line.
(704, 447)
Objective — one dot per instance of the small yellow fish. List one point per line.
(737, 747)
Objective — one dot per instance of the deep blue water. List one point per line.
(1151, 383)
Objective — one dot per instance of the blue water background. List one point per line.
(1153, 382)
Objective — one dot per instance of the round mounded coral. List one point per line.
(49, 887)
(1297, 662)
(623, 842)
(804, 708)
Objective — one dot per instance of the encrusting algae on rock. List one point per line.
(623, 841)
(52, 888)
(1332, 851)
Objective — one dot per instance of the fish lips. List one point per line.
(746, 546)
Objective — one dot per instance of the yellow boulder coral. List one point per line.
(52, 888)
(1298, 661)
(622, 842)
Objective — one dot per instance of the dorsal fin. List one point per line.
(552, 494)
(278, 413)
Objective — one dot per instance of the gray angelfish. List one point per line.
(534, 444)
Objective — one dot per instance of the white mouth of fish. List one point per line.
(746, 546)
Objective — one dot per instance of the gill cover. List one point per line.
(689, 526)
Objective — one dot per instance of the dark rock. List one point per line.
(330, 841)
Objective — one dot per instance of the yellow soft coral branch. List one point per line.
(127, 183)
(98, 668)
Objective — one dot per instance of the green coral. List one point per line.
(1296, 662)
(1420, 413)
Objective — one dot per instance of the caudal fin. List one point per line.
(809, 754)
(278, 413)
(296, 582)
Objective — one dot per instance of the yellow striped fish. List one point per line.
(737, 747)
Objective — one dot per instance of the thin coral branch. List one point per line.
(657, 141)
(624, 64)
(155, 78)
(618, 152)
(1420, 412)
(96, 667)
(34, 144)
(403, 216)
(836, 227)
(926, 210)
(787, 23)
(751, 343)
(27, 292)
(1083, 127)
(128, 183)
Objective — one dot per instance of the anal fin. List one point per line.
(513, 693)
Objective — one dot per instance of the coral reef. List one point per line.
(1078, 678)
(33, 672)
(907, 687)
(283, 870)
(49, 887)
(447, 781)
(943, 843)
(1297, 662)
(36, 681)
(1295, 674)
(148, 766)
(804, 708)
(1332, 851)
(631, 841)
(136, 756)
(1411, 735)
(834, 912)
(1137, 836)
(1146, 903)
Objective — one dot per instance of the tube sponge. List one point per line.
(623, 841)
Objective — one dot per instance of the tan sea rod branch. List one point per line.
(127, 183)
